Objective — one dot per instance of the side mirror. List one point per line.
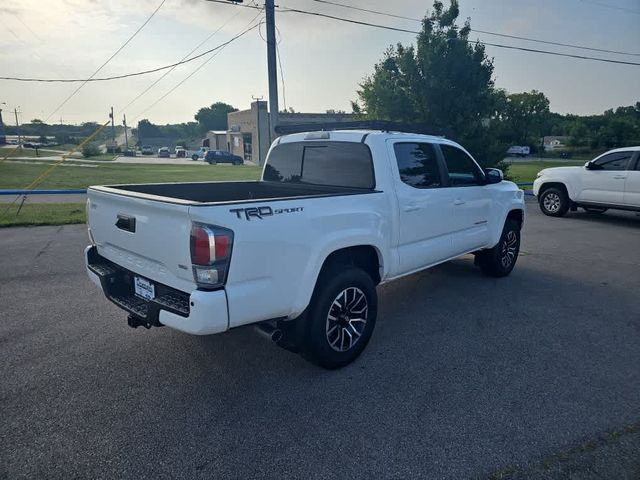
(493, 175)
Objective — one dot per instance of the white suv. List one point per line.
(611, 180)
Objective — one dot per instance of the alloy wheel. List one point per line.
(347, 319)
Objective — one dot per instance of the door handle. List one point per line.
(410, 207)
(459, 201)
(620, 177)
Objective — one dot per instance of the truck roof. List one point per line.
(355, 136)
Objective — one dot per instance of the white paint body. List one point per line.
(276, 261)
(619, 188)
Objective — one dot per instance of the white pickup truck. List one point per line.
(300, 251)
(611, 180)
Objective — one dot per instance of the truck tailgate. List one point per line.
(151, 238)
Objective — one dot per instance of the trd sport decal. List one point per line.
(261, 212)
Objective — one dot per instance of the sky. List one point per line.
(323, 60)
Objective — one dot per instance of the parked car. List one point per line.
(518, 151)
(178, 148)
(300, 252)
(197, 154)
(220, 156)
(181, 153)
(611, 180)
(146, 150)
(164, 152)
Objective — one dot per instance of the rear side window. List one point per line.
(463, 171)
(418, 165)
(614, 161)
(341, 164)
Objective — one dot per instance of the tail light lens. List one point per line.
(210, 254)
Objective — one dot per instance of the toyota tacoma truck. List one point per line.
(611, 180)
(301, 251)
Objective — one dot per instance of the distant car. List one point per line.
(220, 156)
(518, 151)
(197, 154)
(178, 148)
(611, 180)
(181, 153)
(164, 152)
(147, 150)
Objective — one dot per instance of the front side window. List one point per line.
(614, 161)
(418, 165)
(463, 171)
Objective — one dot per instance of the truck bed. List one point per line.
(223, 192)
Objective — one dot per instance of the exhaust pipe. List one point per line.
(269, 331)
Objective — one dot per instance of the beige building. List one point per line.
(248, 134)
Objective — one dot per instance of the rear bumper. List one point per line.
(198, 313)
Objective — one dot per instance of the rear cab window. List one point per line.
(337, 164)
(418, 164)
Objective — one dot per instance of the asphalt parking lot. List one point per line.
(532, 376)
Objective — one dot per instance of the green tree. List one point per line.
(214, 117)
(525, 115)
(444, 81)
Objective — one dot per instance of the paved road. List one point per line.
(535, 375)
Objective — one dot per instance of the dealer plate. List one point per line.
(144, 288)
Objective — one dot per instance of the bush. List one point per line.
(90, 150)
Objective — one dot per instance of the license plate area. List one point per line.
(144, 288)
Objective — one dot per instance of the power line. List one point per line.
(497, 45)
(613, 7)
(486, 32)
(182, 59)
(127, 75)
(108, 60)
(247, 30)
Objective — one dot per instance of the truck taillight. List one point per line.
(210, 254)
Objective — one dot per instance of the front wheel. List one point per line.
(194, 157)
(554, 202)
(340, 318)
(500, 260)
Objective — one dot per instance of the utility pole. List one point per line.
(113, 131)
(126, 138)
(271, 66)
(15, 111)
(257, 99)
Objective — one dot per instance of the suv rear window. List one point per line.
(340, 164)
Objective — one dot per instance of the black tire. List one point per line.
(554, 202)
(213, 162)
(595, 210)
(500, 260)
(325, 340)
(236, 162)
(194, 157)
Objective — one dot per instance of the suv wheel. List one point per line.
(500, 260)
(554, 202)
(340, 318)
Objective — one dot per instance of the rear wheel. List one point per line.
(194, 157)
(500, 260)
(340, 318)
(554, 202)
(595, 210)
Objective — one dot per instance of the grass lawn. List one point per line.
(18, 175)
(105, 157)
(25, 152)
(525, 172)
(42, 214)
